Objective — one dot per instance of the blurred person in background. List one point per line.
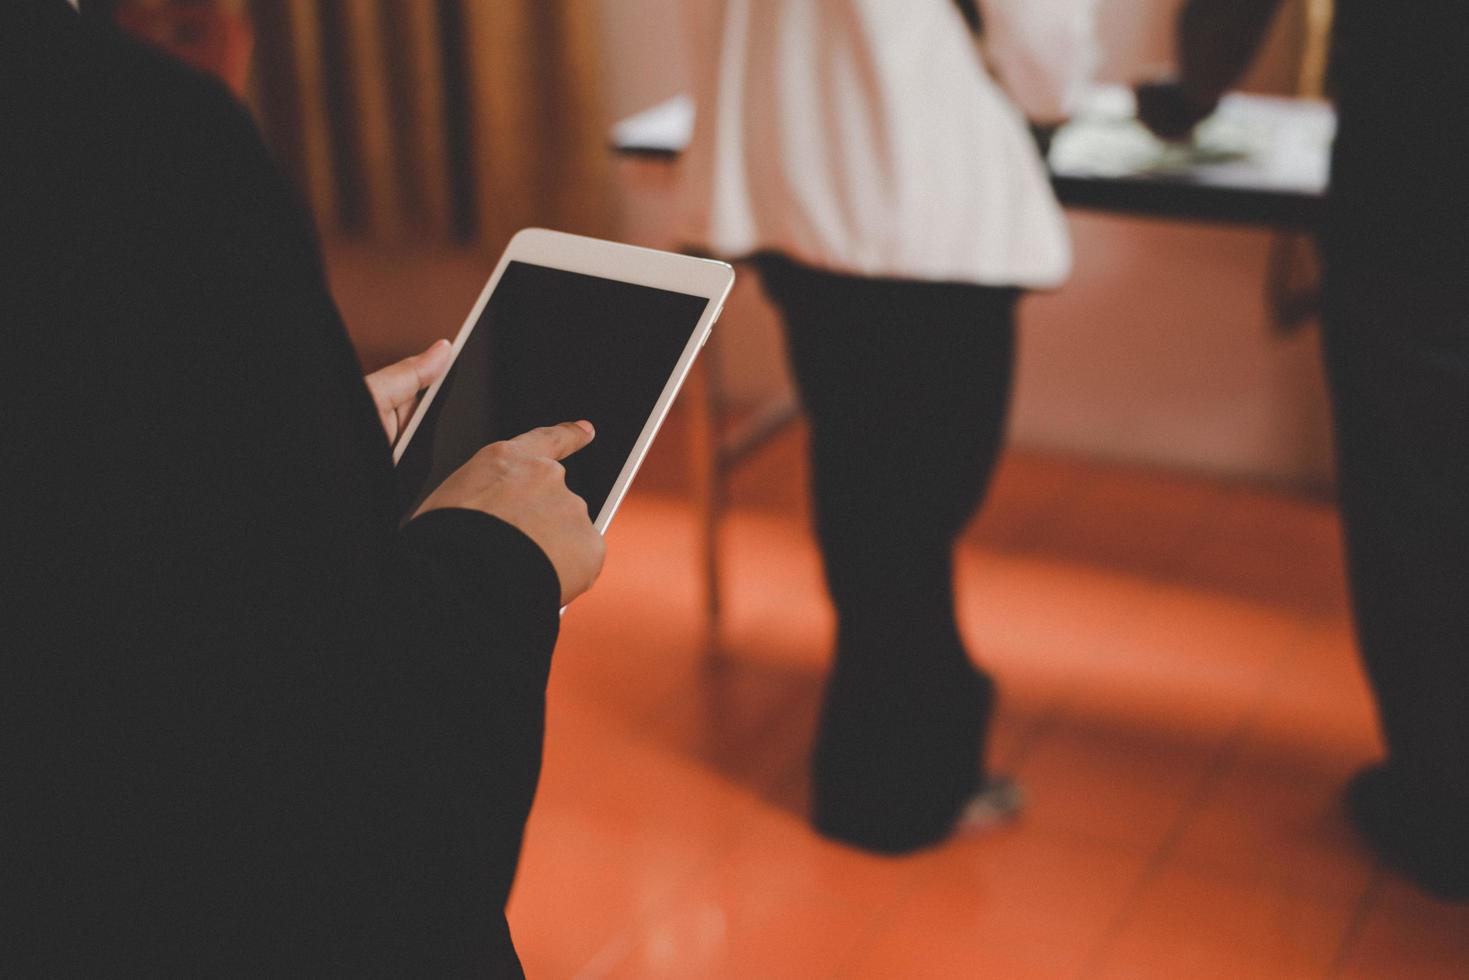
(251, 726)
(877, 167)
(1396, 337)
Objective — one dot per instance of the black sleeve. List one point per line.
(466, 615)
(969, 9)
(471, 577)
(261, 730)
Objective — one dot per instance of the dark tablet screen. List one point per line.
(553, 346)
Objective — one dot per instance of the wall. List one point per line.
(1158, 349)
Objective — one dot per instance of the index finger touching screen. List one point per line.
(550, 346)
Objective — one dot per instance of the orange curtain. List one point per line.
(539, 141)
(436, 119)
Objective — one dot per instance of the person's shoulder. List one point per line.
(98, 100)
(165, 102)
(179, 138)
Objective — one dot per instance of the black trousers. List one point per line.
(906, 386)
(1398, 364)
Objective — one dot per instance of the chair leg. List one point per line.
(706, 478)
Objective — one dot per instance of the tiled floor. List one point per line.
(1181, 706)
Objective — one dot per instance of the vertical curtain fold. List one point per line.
(433, 120)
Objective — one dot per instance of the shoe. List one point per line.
(998, 802)
(1420, 834)
(892, 775)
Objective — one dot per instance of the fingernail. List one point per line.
(441, 342)
(586, 427)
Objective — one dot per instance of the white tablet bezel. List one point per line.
(609, 260)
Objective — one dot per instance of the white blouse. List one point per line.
(868, 137)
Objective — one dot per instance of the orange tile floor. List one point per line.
(1181, 703)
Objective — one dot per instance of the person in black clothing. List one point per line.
(899, 752)
(249, 726)
(1396, 337)
(894, 239)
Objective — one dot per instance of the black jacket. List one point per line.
(247, 725)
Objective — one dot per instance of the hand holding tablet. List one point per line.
(567, 328)
(395, 388)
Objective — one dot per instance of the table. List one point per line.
(1260, 160)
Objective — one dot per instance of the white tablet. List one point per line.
(567, 328)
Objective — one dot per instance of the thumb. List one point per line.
(399, 383)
